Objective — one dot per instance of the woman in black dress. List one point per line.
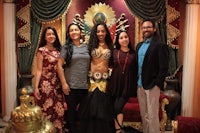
(123, 77)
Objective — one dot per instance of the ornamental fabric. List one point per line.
(48, 10)
(147, 9)
(150, 9)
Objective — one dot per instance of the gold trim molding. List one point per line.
(9, 1)
(193, 1)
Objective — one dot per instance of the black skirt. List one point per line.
(96, 113)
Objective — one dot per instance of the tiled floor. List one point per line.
(4, 124)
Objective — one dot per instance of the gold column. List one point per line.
(190, 57)
(196, 97)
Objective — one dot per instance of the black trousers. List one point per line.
(73, 102)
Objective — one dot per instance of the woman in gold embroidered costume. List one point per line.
(97, 110)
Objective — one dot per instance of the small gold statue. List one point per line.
(28, 118)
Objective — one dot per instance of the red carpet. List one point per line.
(188, 124)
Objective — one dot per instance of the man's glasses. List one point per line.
(148, 27)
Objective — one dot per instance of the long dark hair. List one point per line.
(43, 41)
(117, 41)
(94, 41)
(69, 45)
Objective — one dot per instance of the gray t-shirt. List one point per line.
(77, 73)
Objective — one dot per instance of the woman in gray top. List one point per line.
(75, 60)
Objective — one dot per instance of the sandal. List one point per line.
(119, 129)
(121, 126)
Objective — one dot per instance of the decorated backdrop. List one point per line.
(33, 15)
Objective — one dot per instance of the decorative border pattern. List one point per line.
(24, 31)
(173, 31)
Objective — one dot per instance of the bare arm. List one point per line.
(39, 59)
(61, 75)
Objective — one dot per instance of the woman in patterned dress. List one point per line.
(46, 87)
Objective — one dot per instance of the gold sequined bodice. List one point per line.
(104, 54)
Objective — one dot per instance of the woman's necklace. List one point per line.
(125, 63)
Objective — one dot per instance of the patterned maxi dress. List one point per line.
(51, 96)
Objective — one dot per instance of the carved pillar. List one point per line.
(10, 57)
(189, 59)
(196, 96)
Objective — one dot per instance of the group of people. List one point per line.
(97, 79)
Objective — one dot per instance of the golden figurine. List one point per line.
(28, 118)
